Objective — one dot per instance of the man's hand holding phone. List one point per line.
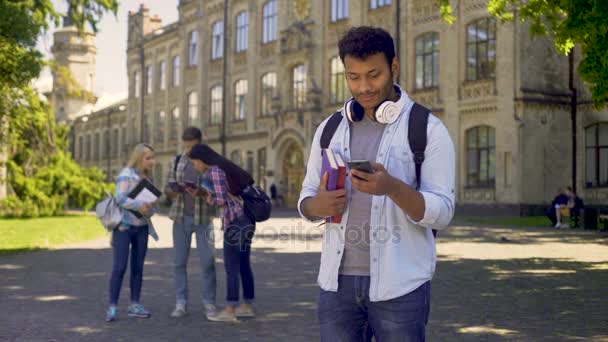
(371, 178)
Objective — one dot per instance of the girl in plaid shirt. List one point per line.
(132, 233)
(225, 182)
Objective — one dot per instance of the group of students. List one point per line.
(192, 211)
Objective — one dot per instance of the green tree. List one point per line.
(42, 175)
(569, 22)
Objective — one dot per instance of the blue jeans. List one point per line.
(137, 239)
(345, 315)
(237, 250)
(182, 240)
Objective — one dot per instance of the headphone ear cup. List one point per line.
(387, 112)
(348, 110)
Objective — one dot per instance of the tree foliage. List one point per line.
(569, 22)
(42, 175)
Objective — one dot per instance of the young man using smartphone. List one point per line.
(377, 264)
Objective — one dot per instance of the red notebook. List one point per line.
(334, 166)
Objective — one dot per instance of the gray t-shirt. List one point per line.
(365, 137)
(190, 175)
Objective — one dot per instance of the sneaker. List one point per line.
(138, 310)
(210, 311)
(223, 316)
(180, 311)
(111, 314)
(245, 311)
(564, 226)
(558, 225)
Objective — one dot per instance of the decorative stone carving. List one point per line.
(478, 89)
(425, 11)
(427, 97)
(301, 9)
(296, 38)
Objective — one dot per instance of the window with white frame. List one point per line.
(159, 136)
(217, 40)
(481, 49)
(175, 71)
(162, 76)
(299, 86)
(269, 27)
(193, 48)
(216, 105)
(596, 155)
(339, 10)
(427, 60)
(149, 79)
(136, 83)
(174, 123)
(269, 88)
(481, 157)
(373, 4)
(240, 95)
(338, 89)
(242, 30)
(192, 108)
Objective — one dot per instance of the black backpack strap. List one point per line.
(330, 128)
(416, 133)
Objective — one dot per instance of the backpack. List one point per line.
(256, 203)
(419, 117)
(108, 212)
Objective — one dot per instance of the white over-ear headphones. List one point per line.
(387, 111)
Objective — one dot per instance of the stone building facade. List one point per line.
(503, 95)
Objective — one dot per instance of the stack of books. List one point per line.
(335, 167)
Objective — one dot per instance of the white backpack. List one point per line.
(108, 212)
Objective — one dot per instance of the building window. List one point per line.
(159, 137)
(80, 148)
(106, 144)
(269, 33)
(148, 80)
(137, 83)
(87, 149)
(240, 94)
(174, 123)
(339, 10)
(262, 168)
(162, 84)
(123, 138)
(373, 4)
(427, 60)
(192, 108)
(242, 30)
(175, 71)
(96, 147)
(249, 167)
(217, 40)
(481, 49)
(299, 86)
(115, 143)
(481, 156)
(596, 155)
(216, 105)
(236, 158)
(193, 48)
(147, 125)
(269, 86)
(338, 89)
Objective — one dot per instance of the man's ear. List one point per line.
(395, 67)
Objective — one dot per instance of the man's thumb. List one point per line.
(323, 184)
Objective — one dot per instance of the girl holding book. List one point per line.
(132, 233)
(225, 183)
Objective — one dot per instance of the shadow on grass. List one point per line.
(10, 251)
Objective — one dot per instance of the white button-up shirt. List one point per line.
(402, 251)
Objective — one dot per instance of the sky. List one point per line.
(110, 70)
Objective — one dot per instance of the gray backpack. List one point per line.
(108, 212)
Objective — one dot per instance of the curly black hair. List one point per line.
(364, 41)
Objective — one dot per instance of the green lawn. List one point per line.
(42, 233)
(527, 221)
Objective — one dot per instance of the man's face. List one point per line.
(370, 80)
(188, 144)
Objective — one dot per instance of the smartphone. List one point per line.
(361, 165)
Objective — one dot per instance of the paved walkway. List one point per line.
(491, 284)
